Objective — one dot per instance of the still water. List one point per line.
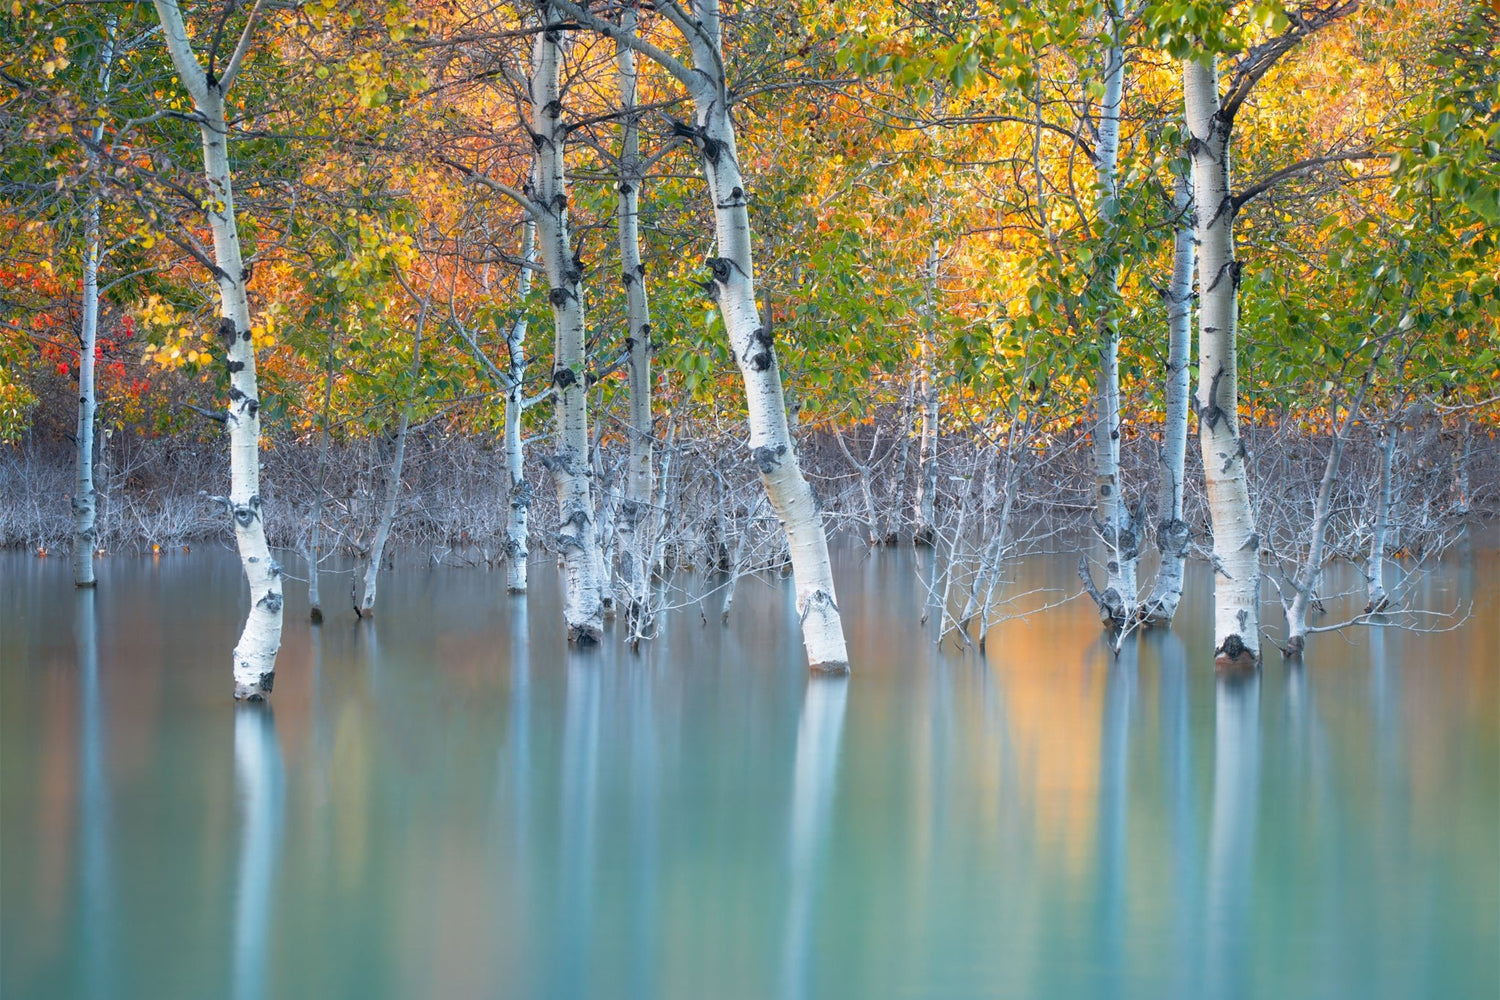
(447, 802)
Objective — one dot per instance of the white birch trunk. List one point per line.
(734, 285)
(376, 555)
(1116, 524)
(85, 499)
(630, 546)
(583, 604)
(1305, 584)
(313, 554)
(1236, 544)
(1173, 537)
(366, 607)
(517, 526)
(1375, 569)
(927, 387)
(898, 480)
(255, 654)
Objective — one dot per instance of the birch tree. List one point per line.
(1173, 536)
(583, 597)
(635, 571)
(1116, 524)
(732, 284)
(1210, 124)
(365, 607)
(209, 85)
(84, 497)
(518, 513)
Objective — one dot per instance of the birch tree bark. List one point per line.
(255, 654)
(1117, 525)
(583, 604)
(733, 270)
(631, 552)
(1173, 537)
(1375, 568)
(84, 497)
(927, 476)
(1236, 554)
(733, 285)
(313, 555)
(517, 525)
(376, 555)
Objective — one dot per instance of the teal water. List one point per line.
(447, 802)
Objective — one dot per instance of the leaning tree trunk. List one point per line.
(255, 654)
(1236, 544)
(734, 286)
(1117, 525)
(1305, 583)
(517, 525)
(635, 573)
(927, 477)
(366, 606)
(85, 499)
(1173, 537)
(313, 555)
(1375, 569)
(583, 603)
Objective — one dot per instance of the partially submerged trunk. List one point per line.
(631, 545)
(517, 524)
(734, 286)
(85, 509)
(1174, 538)
(366, 606)
(925, 531)
(1306, 580)
(84, 497)
(1116, 523)
(255, 654)
(1380, 530)
(313, 554)
(1236, 544)
(583, 601)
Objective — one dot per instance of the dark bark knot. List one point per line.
(271, 602)
(818, 599)
(564, 377)
(711, 149)
(554, 109)
(227, 332)
(559, 297)
(768, 457)
(762, 350)
(235, 367)
(720, 266)
(520, 495)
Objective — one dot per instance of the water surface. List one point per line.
(449, 802)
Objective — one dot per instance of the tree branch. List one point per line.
(1263, 185)
(660, 56)
(240, 50)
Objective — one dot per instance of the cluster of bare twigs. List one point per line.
(1001, 493)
